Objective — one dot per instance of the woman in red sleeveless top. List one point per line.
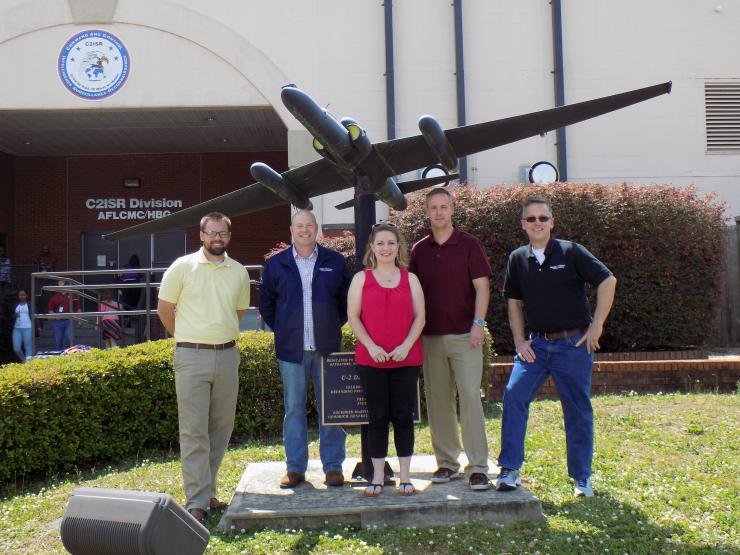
(385, 308)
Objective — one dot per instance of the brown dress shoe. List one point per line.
(215, 504)
(291, 480)
(198, 514)
(334, 478)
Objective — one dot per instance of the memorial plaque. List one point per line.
(342, 396)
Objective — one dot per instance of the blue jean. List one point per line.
(22, 335)
(61, 334)
(570, 368)
(295, 427)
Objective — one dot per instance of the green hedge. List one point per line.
(66, 412)
(664, 244)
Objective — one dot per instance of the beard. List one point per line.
(215, 250)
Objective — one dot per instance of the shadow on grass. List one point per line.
(31, 484)
(603, 522)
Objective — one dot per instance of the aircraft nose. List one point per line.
(293, 96)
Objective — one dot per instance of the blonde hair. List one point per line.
(402, 256)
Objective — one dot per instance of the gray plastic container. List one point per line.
(121, 522)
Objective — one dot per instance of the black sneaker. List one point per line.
(479, 481)
(443, 475)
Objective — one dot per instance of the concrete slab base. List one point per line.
(260, 503)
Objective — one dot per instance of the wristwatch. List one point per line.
(481, 323)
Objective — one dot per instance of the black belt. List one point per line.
(554, 335)
(219, 347)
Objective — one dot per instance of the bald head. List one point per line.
(303, 229)
(303, 214)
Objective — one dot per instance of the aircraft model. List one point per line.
(350, 159)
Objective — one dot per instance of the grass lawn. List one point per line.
(666, 476)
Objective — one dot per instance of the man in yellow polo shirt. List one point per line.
(201, 300)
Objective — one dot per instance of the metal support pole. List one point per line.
(33, 314)
(148, 297)
(561, 144)
(460, 80)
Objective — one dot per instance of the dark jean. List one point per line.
(61, 330)
(391, 396)
(295, 426)
(570, 368)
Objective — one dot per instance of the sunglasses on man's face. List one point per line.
(532, 219)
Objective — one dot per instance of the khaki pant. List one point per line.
(451, 366)
(207, 384)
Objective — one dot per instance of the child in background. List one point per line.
(111, 327)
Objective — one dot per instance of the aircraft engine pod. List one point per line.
(280, 186)
(358, 137)
(437, 142)
(390, 194)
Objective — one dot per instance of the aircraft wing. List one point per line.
(315, 178)
(411, 153)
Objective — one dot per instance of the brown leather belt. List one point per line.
(554, 335)
(219, 347)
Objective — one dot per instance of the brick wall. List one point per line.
(640, 372)
(6, 201)
(50, 195)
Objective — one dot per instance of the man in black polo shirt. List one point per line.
(546, 280)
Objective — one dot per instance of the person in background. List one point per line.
(111, 327)
(45, 262)
(131, 295)
(385, 308)
(6, 268)
(22, 328)
(63, 302)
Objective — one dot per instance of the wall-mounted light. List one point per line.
(543, 173)
(132, 182)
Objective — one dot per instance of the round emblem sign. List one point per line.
(94, 64)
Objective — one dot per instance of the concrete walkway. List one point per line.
(260, 503)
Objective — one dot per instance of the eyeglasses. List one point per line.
(389, 224)
(221, 234)
(541, 219)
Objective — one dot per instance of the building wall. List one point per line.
(237, 52)
(51, 195)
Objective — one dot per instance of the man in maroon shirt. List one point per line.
(454, 272)
(62, 302)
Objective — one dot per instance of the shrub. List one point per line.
(664, 245)
(63, 412)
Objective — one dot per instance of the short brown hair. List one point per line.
(536, 199)
(402, 257)
(216, 217)
(438, 191)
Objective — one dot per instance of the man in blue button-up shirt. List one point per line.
(303, 298)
